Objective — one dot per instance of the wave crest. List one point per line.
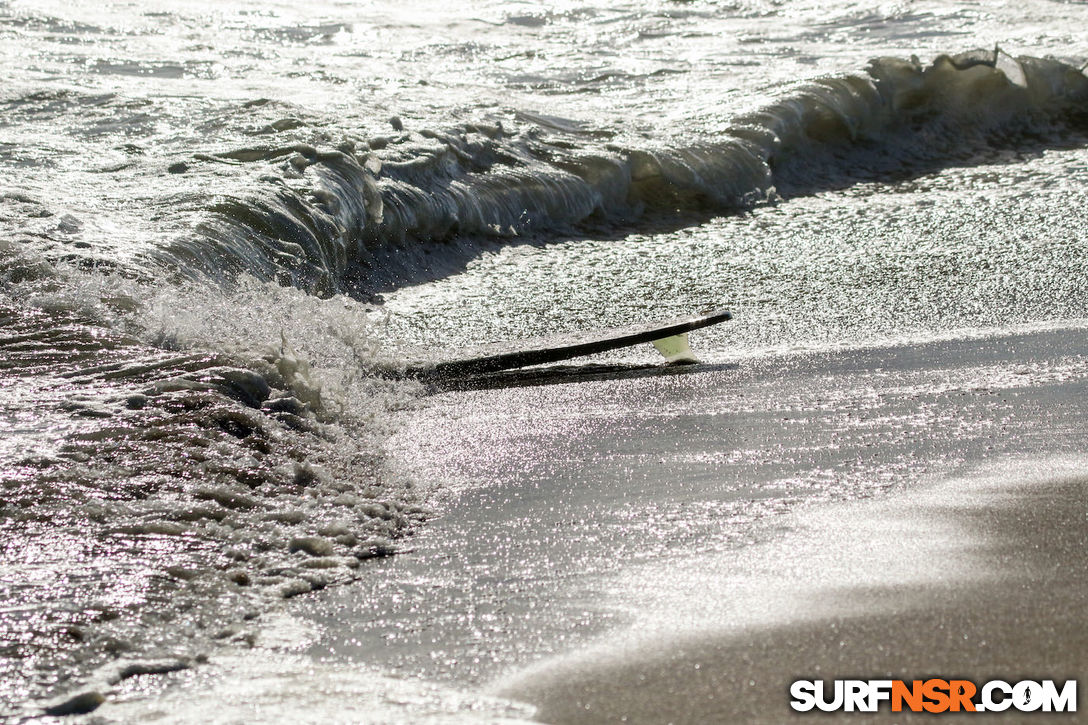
(326, 217)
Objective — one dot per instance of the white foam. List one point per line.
(272, 683)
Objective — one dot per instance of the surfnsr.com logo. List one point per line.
(934, 696)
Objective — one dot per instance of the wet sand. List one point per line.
(680, 547)
(995, 588)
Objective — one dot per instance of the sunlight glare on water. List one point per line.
(219, 222)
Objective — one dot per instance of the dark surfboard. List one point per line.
(543, 350)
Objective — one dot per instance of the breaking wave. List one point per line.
(333, 220)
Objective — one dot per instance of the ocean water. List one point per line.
(222, 228)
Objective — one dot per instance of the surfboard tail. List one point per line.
(676, 349)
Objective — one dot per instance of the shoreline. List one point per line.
(1003, 601)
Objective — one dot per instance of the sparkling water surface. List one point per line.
(216, 222)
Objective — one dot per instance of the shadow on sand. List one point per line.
(565, 374)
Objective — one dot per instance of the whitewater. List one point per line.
(225, 233)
